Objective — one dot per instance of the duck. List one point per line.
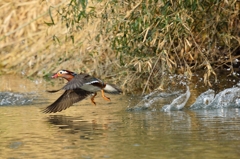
(78, 87)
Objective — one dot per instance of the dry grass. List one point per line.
(178, 37)
(136, 44)
(27, 44)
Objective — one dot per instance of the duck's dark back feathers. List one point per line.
(82, 79)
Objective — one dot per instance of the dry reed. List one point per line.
(133, 43)
(27, 44)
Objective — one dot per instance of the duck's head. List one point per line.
(68, 75)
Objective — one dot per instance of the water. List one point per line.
(229, 97)
(109, 131)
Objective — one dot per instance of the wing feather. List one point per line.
(67, 99)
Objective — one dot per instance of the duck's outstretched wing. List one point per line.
(67, 99)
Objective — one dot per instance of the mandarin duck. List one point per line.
(79, 86)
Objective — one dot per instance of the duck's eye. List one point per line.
(60, 72)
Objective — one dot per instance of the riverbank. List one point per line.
(139, 45)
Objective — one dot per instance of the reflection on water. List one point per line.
(109, 131)
(73, 125)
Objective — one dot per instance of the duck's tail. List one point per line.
(112, 89)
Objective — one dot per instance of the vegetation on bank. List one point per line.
(136, 44)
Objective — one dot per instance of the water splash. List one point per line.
(178, 103)
(204, 99)
(152, 99)
(10, 98)
(227, 98)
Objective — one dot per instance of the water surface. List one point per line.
(109, 131)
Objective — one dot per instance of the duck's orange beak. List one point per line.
(55, 75)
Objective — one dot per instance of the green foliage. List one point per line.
(51, 17)
(151, 37)
(73, 15)
(194, 34)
